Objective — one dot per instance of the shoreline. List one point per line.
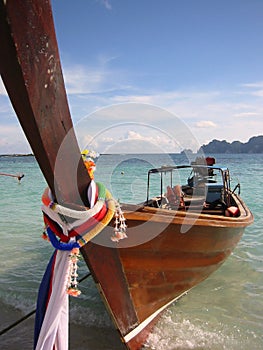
(16, 155)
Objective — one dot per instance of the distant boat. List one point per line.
(175, 239)
(19, 177)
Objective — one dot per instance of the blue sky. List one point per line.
(198, 62)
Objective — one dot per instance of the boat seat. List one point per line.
(175, 197)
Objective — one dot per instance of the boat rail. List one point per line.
(207, 175)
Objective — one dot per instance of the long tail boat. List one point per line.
(175, 239)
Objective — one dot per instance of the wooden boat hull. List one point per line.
(139, 276)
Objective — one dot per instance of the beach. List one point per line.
(223, 312)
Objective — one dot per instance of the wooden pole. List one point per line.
(31, 72)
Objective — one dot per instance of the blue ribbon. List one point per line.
(60, 245)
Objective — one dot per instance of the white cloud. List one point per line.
(149, 126)
(205, 124)
(80, 80)
(258, 93)
(106, 4)
(258, 84)
(94, 81)
(133, 135)
(247, 115)
(167, 98)
(221, 108)
(92, 88)
(253, 89)
(12, 140)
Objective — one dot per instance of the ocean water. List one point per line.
(223, 312)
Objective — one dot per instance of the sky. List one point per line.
(150, 75)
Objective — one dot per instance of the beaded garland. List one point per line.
(86, 225)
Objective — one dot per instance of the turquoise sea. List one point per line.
(224, 312)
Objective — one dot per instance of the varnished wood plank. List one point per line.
(109, 275)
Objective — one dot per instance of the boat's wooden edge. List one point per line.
(106, 266)
(150, 321)
(139, 212)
